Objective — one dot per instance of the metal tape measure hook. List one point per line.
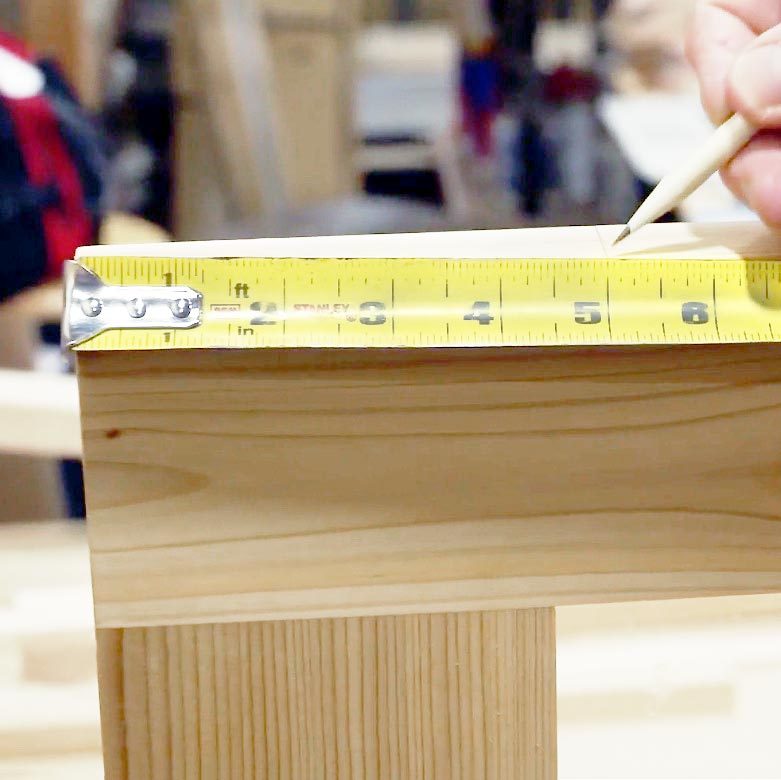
(92, 307)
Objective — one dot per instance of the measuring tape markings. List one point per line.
(294, 302)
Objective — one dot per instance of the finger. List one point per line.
(754, 82)
(733, 183)
(755, 176)
(720, 31)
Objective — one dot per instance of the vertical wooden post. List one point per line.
(446, 696)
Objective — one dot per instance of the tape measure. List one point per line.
(115, 303)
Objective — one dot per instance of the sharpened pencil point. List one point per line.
(622, 235)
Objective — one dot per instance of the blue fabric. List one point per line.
(22, 247)
(480, 82)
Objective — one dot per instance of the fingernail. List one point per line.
(756, 80)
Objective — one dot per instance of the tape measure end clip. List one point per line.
(93, 307)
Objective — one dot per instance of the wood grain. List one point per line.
(321, 563)
(445, 696)
(390, 482)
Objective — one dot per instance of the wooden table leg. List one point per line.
(457, 695)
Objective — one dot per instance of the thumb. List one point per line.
(754, 84)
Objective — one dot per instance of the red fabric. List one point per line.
(478, 124)
(66, 225)
(568, 84)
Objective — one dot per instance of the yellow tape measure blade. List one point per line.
(165, 303)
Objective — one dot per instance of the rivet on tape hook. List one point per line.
(92, 307)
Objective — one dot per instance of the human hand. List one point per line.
(735, 47)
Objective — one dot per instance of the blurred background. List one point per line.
(126, 121)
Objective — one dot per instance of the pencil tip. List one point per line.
(622, 235)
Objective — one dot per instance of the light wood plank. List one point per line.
(437, 696)
(20, 318)
(42, 555)
(714, 241)
(488, 478)
(414, 503)
(48, 690)
(669, 616)
(32, 308)
(76, 767)
(41, 722)
(313, 90)
(387, 482)
(39, 414)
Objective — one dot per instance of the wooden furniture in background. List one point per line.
(29, 486)
(78, 34)
(57, 30)
(313, 88)
(343, 563)
(39, 415)
(264, 119)
(222, 56)
(48, 682)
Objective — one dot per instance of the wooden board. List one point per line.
(39, 414)
(48, 685)
(40, 495)
(313, 94)
(262, 523)
(714, 241)
(203, 200)
(489, 479)
(436, 696)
